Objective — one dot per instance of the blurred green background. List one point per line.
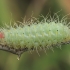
(20, 10)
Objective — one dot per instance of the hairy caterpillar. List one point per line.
(35, 36)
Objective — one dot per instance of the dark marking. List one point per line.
(57, 30)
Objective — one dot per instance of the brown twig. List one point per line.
(22, 50)
(12, 50)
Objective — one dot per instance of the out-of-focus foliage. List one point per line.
(4, 13)
(59, 60)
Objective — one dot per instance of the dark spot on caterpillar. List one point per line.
(48, 40)
(57, 30)
(64, 24)
(5, 45)
(61, 42)
(57, 42)
(35, 41)
(37, 23)
(52, 45)
(40, 45)
(28, 25)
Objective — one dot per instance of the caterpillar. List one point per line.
(34, 36)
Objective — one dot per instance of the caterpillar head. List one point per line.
(1, 35)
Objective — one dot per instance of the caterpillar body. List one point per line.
(35, 36)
